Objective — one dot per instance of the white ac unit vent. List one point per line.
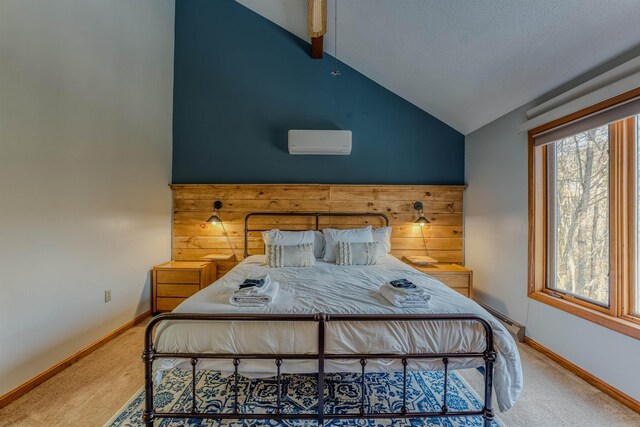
(320, 142)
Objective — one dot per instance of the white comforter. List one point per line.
(329, 288)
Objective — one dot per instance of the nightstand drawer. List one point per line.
(178, 276)
(453, 280)
(168, 304)
(176, 290)
(175, 281)
(463, 291)
(455, 276)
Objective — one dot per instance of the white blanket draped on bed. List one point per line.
(329, 288)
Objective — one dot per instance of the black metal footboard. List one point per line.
(150, 354)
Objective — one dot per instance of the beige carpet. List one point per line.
(91, 391)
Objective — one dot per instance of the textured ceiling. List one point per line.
(468, 62)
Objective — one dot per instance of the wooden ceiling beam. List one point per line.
(317, 25)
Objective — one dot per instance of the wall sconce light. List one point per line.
(215, 219)
(422, 220)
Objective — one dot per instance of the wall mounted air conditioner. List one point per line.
(320, 142)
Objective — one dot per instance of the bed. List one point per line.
(330, 318)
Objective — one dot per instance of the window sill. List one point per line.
(623, 326)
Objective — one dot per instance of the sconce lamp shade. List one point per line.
(422, 220)
(214, 219)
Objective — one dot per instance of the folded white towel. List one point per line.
(404, 300)
(265, 297)
(254, 290)
(405, 291)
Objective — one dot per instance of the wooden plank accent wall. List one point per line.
(193, 204)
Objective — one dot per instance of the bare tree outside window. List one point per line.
(578, 188)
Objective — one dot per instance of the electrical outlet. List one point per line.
(107, 295)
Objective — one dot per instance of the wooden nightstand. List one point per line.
(175, 281)
(455, 276)
(215, 258)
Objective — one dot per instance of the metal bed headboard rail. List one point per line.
(317, 215)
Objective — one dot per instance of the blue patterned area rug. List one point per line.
(383, 392)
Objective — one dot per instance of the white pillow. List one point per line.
(357, 253)
(318, 245)
(277, 237)
(290, 256)
(382, 235)
(287, 238)
(352, 235)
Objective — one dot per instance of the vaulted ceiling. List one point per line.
(468, 62)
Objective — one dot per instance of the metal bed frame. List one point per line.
(321, 319)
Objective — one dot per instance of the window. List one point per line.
(578, 218)
(584, 222)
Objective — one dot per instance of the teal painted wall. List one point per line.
(241, 82)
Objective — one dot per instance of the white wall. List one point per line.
(85, 159)
(496, 249)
